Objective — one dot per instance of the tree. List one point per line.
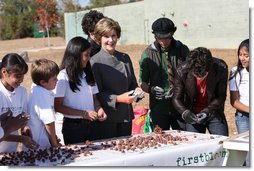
(99, 3)
(47, 15)
(16, 17)
(70, 5)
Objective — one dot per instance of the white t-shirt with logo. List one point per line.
(81, 100)
(242, 87)
(15, 101)
(41, 110)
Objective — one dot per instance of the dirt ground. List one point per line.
(38, 48)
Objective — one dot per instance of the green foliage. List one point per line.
(103, 3)
(70, 6)
(16, 16)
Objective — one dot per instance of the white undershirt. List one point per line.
(242, 87)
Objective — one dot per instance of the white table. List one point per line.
(183, 149)
(204, 150)
(238, 148)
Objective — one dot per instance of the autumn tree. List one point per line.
(47, 15)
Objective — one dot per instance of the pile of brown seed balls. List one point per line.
(139, 143)
(49, 156)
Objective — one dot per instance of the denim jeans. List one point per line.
(242, 121)
(242, 124)
(215, 126)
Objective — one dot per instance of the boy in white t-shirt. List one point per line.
(41, 103)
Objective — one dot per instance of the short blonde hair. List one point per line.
(43, 69)
(104, 26)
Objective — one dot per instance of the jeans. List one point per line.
(217, 126)
(242, 121)
(242, 124)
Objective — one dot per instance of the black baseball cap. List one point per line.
(163, 28)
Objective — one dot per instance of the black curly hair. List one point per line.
(89, 20)
(200, 61)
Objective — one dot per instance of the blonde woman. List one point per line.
(115, 78)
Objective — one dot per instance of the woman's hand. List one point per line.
(125, 98)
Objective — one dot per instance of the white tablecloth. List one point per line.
(185, 149)
(200, 151)
(203, 150)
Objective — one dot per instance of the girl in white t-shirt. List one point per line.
(41, 103)
(76, 92)
(13, 98)
(239, 89)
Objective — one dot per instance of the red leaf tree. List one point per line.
(47, 15)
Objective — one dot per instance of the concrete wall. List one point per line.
(210, 23)
(130, 17)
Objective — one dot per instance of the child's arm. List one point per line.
(26, 131)
(97, 106)
(65, 110)
(10, 123)
(50, 128)
(27, 141)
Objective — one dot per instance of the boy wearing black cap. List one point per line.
(157, 64)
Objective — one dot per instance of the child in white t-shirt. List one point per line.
(13, 99)
(41, 103)
(76, 93)
(239, 87)
(239, 90)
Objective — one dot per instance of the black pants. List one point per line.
(75, 130)
(167, 121)
(105, 130)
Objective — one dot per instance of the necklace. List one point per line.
(202, 82)
(202, 85)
